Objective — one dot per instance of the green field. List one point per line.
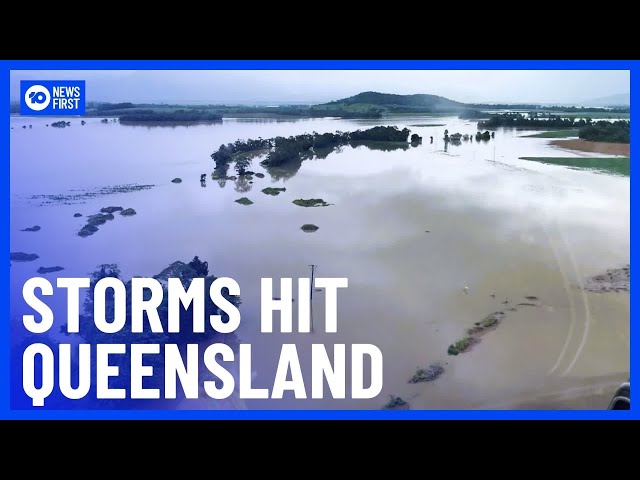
(613, 165)
(571, 132)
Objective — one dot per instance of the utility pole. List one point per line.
(313, 271)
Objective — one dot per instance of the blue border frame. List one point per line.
(7, 66)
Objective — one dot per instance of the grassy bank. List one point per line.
(555, 134)
(612, 165)
(605, 148)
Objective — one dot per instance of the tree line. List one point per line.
(615, 132)
(151, 116)
(557, 108)
(285, 149)
(520, 120)
(600, 131)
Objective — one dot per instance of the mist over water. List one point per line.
(410, 228)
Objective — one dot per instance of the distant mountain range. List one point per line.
(620, 99)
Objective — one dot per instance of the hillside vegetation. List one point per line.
(392, 103)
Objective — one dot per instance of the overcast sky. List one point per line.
(315, 86)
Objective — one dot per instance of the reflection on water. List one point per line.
(410, 228)
(381, 146)
(290, 168)
(242, 184)
(285, 171)
(257, 119)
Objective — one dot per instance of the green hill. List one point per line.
(389, 99)
(392, 103)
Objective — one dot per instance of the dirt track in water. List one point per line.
(593, 147)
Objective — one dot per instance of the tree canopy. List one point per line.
(283, 150)
(602, 131)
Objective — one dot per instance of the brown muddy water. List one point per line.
(502, 227)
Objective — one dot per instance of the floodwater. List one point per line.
(503, 227)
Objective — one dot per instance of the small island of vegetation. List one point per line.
(45, 270)
(311, 202)
(396, 403)
(461, 345)
(175, 116)
(127, 212)
(282, 150)
(427, 374)
(273, 191)
(22, 257)
(474, 333)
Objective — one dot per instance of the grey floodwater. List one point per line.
(410, 228)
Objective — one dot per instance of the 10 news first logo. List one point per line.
(52, 97)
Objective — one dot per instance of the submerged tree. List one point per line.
(185, 273)
(200, 268)
(242, 164)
